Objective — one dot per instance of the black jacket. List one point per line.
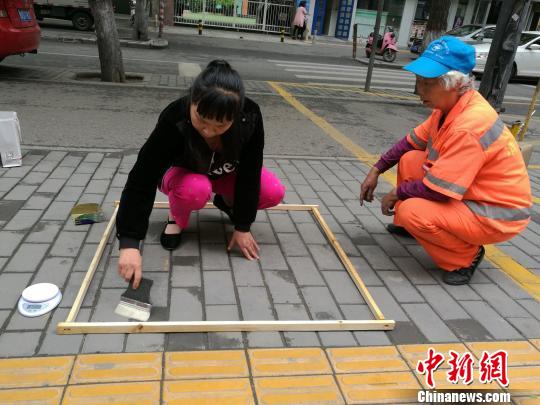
(174, 142)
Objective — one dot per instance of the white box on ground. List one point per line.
(10, 139)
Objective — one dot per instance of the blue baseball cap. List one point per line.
(443, 55)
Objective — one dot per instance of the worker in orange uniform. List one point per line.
(462, 182)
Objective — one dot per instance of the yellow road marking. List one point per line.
(198, 392)
(415, 353)
(42, 396)
(369, 388)
(536, 200)
(520, 353)
(529, 281)
(207, 364)
(366, 359)
(146, 393)
(116, 367)
(315, 389)
(35, 372)
(276, 362)
(534, 166)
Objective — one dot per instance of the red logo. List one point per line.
(461, 368)
(494, 367)
(430, 365)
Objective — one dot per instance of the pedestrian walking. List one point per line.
(208, 141)
(462, 182)
(299, 21)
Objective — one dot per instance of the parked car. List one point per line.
(19, 31)
(526, 62)
(470, 33)
(76, 11)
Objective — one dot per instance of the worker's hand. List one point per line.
(368, 186)
(388, 202)
(246, 243)
(130, 265)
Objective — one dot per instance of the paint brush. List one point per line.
(135, 303)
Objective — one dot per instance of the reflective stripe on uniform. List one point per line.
(455, 188)
(417, 140)
(493, 212)
(492, 134)
(433, 154)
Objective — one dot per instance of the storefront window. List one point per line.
(366, 13)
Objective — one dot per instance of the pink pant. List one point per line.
(188, 191)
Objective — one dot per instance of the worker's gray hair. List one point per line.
(455, 79)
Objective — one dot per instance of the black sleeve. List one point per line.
(137, 200)
(248, 178)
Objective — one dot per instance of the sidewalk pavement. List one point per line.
(299, 277)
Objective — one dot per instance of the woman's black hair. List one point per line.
(218, 92)
(302, 4)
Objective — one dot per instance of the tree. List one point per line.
(140, 26)
(500, 61)
(437, 21)
(110, 55)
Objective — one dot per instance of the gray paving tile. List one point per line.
(109, 343)
(4, 314)
(23, 323)
(321, 304)
(391, 246)
(497, 326)
(68, 244)
(311, 234)
(70, 193)
(469, 330)
(145, 342)
(20, 192)
(27, 258)
(387, 304)
(501, 302)
(12, 287)
(532, 306)
(325, 257)
(58, 211)
(44, 232)
(292, 244)
(406, 333)
(519, 256)
(400, 287)
(414, 271)
(218, 288)
(263, 233)
(38, 202)
(281, 222)
(186, 304)
(264, 339)
(272, 258)
(255, 304)
(212, 232)
(366, 273)
(343, 287)
(305, 271)
(529, 327)
(224, 340)
(54, 344)
(377, 258)
(51, 185)
(214, 257)
(155, 258)
(429, 323)
(282, 287)
(507, 284)
(15, 344)
(443, 304)
(54, 270)
(246, 272)
(8, 209)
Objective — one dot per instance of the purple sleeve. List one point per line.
(410, 189)
(392, 156)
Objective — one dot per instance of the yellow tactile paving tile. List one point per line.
(520, 353)
(366, 359)
(206, 364)
(313, 389)
(231, 391)
(524, 380)
(116, 367)
(41, 396)
(141, 393)
(35, 372)
(536, 343)
(415, 353)
(441, 381)
(278, 362)
(369, 388)
(533, 400)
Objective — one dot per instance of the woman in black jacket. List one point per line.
(209, 141)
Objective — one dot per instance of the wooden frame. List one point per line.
(70, 326)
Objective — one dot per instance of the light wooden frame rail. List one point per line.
(71, 326)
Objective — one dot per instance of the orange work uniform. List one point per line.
(473, 159)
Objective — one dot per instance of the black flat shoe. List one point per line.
(219, 202)
(463, 276)
(398, 230)
(170, 241)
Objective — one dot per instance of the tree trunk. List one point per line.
(437, 21)
(140, 27)
(110, 55)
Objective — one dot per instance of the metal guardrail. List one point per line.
(263, 16)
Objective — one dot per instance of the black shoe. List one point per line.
(219, 202)
(170, 241)
(463, 276)
(398, 230)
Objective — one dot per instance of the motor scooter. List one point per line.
(386, 45)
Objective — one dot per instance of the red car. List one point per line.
(19, 31)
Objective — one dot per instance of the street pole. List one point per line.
(503, 50)
(374, 43)
(532, 108)
(161, 13)
(354, 40)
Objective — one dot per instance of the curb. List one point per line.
(155, 43)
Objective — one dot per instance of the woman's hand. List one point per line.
(246, 243)
(388, 202)
(130, 265)
(368, 186)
